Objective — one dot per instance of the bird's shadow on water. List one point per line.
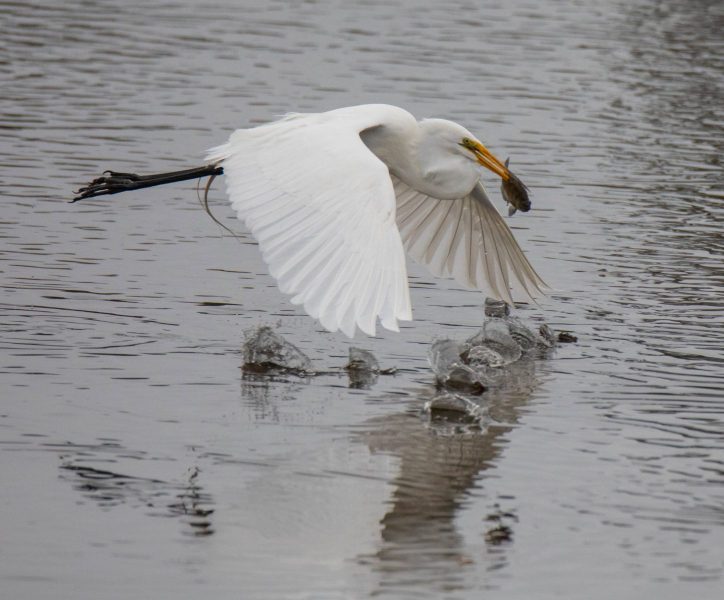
(442, 457)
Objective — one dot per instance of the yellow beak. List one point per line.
(488, 159)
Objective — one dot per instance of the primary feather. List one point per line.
(332, 197)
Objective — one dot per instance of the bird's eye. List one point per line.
(466, 141)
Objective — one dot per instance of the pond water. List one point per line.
(138, 460)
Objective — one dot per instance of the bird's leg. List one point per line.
(113, 182)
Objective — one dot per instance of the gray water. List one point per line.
(138, 460)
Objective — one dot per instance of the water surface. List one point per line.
(139, 461)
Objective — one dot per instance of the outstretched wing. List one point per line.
(466, 239)
(322, 208)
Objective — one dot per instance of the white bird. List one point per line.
(335, 198)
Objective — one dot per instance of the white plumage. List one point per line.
(333, 197)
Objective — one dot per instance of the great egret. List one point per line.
(333, 199)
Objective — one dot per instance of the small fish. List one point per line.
(515, 193)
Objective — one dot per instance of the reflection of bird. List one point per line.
(333, 198)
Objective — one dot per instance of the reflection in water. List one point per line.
(110, 489)
(440, 466)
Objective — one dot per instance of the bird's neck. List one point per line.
(395, 145)
(418, 159)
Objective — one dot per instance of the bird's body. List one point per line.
(335, 198)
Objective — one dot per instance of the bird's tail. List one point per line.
(113, 182)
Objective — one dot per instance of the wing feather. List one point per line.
(322, 207)
(468, 240)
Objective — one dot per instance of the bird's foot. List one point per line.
(112, 182)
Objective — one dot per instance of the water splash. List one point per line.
(477, 364)
(265, 351)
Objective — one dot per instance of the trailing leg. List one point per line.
(113, 182)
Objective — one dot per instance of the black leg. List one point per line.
(113, 182)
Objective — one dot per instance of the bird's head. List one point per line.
(449, 159)
(458, 140)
